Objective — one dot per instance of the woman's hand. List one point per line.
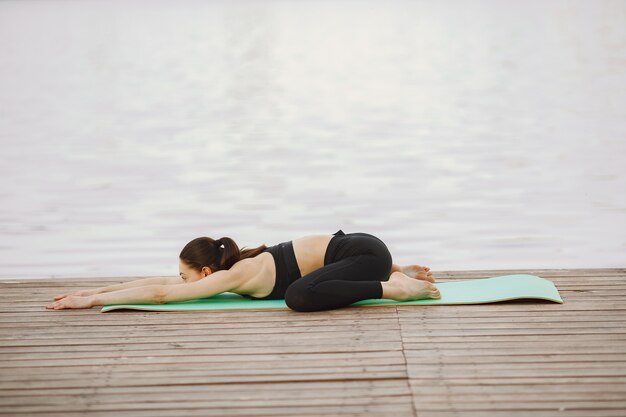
(72, 301)
(81, 293)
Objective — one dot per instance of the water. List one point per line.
(466, 135)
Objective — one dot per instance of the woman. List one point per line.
(312, 273)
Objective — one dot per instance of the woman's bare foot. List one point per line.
(418, 272)
(401, 287)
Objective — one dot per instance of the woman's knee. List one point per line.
(297, 299)
(382, 261)
(378, 256)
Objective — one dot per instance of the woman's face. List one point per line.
(191, 275)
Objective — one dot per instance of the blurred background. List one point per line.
(465, 134)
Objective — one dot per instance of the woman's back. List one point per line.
(309, 254)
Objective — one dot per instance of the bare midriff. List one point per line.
(309, 251)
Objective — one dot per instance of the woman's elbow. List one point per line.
(160, 294)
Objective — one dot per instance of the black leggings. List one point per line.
(354, 266)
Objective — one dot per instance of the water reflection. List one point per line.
(478, 135)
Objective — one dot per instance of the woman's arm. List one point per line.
(139, 283)
(130, 284)
(216, 283)
(149, 294)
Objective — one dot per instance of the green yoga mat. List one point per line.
(474, 291)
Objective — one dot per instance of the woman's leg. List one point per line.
(344, 281)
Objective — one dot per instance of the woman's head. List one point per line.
(203, 256)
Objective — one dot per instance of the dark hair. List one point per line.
(204, 251)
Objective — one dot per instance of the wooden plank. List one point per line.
(207, 408)
(561, 411)
(522, 404)
(514, 358)
(209, 378)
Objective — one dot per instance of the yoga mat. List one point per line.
(474, 291)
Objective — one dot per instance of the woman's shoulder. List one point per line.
(253, 273)
(252, 265)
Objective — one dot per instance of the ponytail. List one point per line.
(218, 254)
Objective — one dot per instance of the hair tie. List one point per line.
(219, 242)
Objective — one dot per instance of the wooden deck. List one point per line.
(515, 358)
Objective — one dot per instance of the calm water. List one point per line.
(466, 135)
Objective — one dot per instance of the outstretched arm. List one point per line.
(215, 283)
(130, 284)
(139, 283)
(149, 294)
